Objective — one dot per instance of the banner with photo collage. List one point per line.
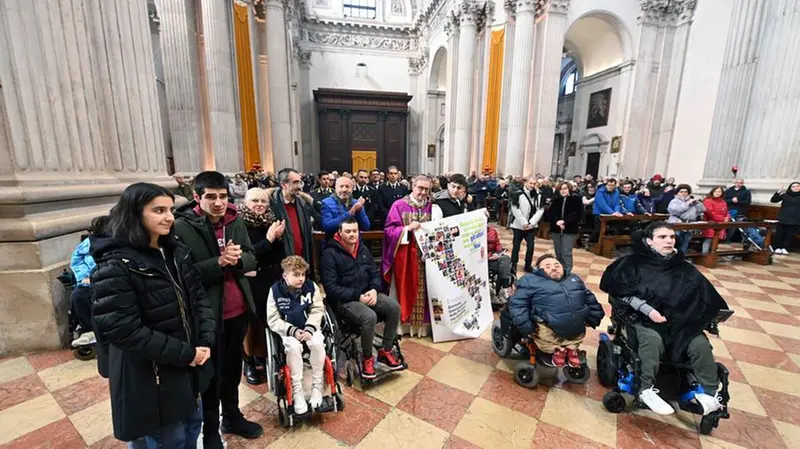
(457, 274)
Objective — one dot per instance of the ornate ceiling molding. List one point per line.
(417, 64)
(303, 56)
(550, 6)
(367, 38)
(511, 8)
(664, 12)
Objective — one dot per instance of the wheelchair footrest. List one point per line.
(327, 405)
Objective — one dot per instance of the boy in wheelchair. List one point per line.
(294, 311)
(666, 303)
(554, 310)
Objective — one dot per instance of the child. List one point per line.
(82, 265)
(554, 310)
(294, 311)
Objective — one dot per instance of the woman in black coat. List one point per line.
(264, 230)
(788, 217)
(566, 211)
(153, 321)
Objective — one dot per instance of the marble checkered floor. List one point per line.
(460, 395)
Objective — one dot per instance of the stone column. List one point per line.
(220, 78)
(508, 63)
(461, 149)
(278, 70)
(417, 144)
(79, 121)
(520, 90)
(737, 80)
(452, 32)
(550, 31)
(310, 151)
(179, 48)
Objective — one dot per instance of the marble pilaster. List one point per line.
(220, 78)
(520, 87)
(468, 22)
(550, 31)
(307, 123)
(179, 49)
(278, 70)
(508, 62)
(79, 120)
(451, 29)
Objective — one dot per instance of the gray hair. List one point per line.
(419, 178)
(283, 175)
(255, 192)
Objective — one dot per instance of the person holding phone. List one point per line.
(499, 264)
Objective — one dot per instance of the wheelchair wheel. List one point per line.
(283, 414)
(606, 368)
(579, 375)
(339, 398)
(614, 402)
(500, 343)
(526, 375)
(708, 424)
(349, 374)
(85, 353)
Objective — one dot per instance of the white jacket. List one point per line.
(522, 211)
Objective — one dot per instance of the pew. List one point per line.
(367, 237)
(607, 243)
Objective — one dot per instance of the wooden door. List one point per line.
(364, 160)
(593, 164)
(334, 149)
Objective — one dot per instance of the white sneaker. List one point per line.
(300, 406)
(785, 252)
(709, 403)
(316, 397)
(654, 402)
(85, 339)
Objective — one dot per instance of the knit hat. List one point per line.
(658, 177)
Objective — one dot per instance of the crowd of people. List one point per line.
(179, 297)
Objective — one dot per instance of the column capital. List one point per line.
(417, 64)
(666, 11)
(475, 13)
(451, 22)
(511, 8)
(303, 56)
(550, 7)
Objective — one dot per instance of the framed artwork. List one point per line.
(431, 150)
(616, 144)
(599, 105)
(571, 149)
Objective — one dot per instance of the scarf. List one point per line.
(253, 220)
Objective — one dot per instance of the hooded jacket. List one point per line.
(346, 276)
(670, 285)
(148, 318)
(743, 200)
(447, 205)
(197, 233)
(790, 207)
(680, 211)
(566, 306)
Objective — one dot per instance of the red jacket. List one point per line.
(716, 210)
(493, 240)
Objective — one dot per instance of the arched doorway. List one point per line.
(436, 104)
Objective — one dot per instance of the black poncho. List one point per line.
(672, 286)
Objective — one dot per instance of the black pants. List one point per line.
(80, 303)
(227, 357)
(386, 309)
(529, 237)
(784, 235)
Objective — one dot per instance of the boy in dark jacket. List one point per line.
(352, 284)
(554, 310)
(294, 311)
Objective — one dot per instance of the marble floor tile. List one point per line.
(580, 415)
(461, 373)
(20, 390)
(43, 360)
(638, 432)
(436, 403)
(444, 346)
(306, 437)
(28, 416)
(789, 432)
(761, 356)
(767, 306)
(750, 431)
(751, 338)
(399, 430)
(780, 330)
(362, 413)
(78, 396)
(94, 423)
(60, 434)
(490, 425)
(392, 390)
(744, 398)
(500, 388)
(477, 350)
(420, 358)
(771, 378)
(549, 436)
(66, 374)
(15, 368)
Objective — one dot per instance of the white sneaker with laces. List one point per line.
(316, 397)
(86, 338)
(299, 398)
(654, 402)
(708, 402)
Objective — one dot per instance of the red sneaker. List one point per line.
(387, 358)
(559, 357)
(573, 359)
(368, 368)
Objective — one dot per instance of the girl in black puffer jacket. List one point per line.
(153, 322)
(554, 309)
(788, 217)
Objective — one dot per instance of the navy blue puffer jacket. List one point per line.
(566, 306)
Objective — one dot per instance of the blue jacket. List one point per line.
(565, 306)
(334, 213)
(82, 263)
(627, 204)
(605, 202)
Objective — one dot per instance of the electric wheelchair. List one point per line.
(80, 352)
(279, 379)
(618, 366)
(508, 341)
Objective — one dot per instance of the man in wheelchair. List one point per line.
(670, 303)
(352, 283)
(554, 310)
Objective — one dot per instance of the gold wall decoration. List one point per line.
(494, 95)
(247, 95)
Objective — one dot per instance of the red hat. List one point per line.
(658, 177)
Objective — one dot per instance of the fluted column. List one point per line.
(79, 121)
(550, 32)
(736, 82)
(278, 69)
(179, 49)
(461, 148)
(452, 32)
(310, 152)
(417, 145)
(507, 97)
(520, 90)
(220, 76)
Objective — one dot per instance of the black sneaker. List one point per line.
(212, 442)
(242, 427)
(252, 373)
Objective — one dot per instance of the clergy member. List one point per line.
(402, 264)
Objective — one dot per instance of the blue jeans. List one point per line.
(181, 435)
(684, 238)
